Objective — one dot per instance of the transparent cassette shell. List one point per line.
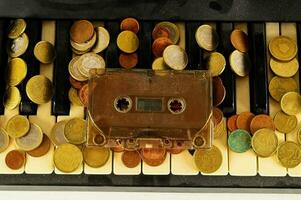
(150, 109)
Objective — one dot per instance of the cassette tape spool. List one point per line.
(150, 109)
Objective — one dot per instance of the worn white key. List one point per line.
(121, 169)
(162, 169)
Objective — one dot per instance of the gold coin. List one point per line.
(159, 64)
(57, 135)
(11, 98)
(289, 154)
(86, 46)
(44, 52)
(74, 71)
(95, 156)
(291, 103)
(32, 139)
(264, 142)
(127, 41)
(4, 140)
(17, 70)
(75, 131)
(67, 157)
(18, 46)
(299, 135)
(175, 57)
(90, 61)
(207, 37)
(77, 52)
(284, 69)
(216, 63)
(173, 30)
(73, 97)
(240, 63)
(17, 126)
(17, 27)
(283, 48)
(285, 123)
(39, 89)
(208, 160)
(103, 40)
(279, 86)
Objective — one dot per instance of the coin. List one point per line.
(216, 63)
(299, 135)
(218, 90)
(95, 156)
(160, 31)
(239, 40)
(284, 69)
(128, 42)
(118, 149)
(175, 150)
(75, 131)
(32, 139)
(16, 28)
(279, 86)
(175, 57)
(239, 141)
(74, 71)
(39, 89)
(131, 159)
(81, 31)
(42, 149)
(264, 142)
(57, 133)
(217, 116)
(159, 45)
(75, 83)
(291, 103)
(208, 160)
(244, 120)
(285, 123)
(289, 154)
(152, 156)
(73, 97)
(15, 159)
(90, 61)
(17, 126)
(67, 157)
(11, 98)
(103, 40)
(77, 52)
(159, 64)
(84, 95)
(80, 48)
(261, 121)
(128, 61)
(129, 24)
(4, 140)
(44, 52)
(207, 37)
(173, 31)
(240, 63)
(283, 48)
(18, 46)
(17, 70)
(231, 123)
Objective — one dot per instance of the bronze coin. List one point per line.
(84, 95)
(159, 45)
(42, 149)
(128, 61)
(260, 122)
(217, 116)
(239, 40)
(219, 91)
(153, 157)
(76, 84)
(244, 120)
(131, 159)
(160, 31)
(129, 24)
(15, 159)
(231, 123)
(81, 31)
(175, 150)
(118, 149)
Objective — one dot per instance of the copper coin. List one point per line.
(129, 24)
(128, 61)
(175, 150)
(159, 45)
(131, 159)
(239, 40)
(244, 120)
(217, 116)
(231, 123)
(160, 31)
(42, 149)
(76, 84)
(219, 91)
(84, 95)
(117, 149)
(260, 122)
(15, 159)
(153, 157)
(81, 31)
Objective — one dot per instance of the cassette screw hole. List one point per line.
(176, 106)
(199, 141)
(123, 104)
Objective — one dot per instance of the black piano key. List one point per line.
(299, 51)
(33, 31)
(145, 45)
(112, 52)
(225, 47)
(60, 101)
(259, 96)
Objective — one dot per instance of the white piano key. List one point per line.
(163, 169)
(105, 169)
(183, 164)
(120, 169)
(4, 169)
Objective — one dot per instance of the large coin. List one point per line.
(39, 89)
(16, 28)
(57, 133)
(171, 31)
(95, 156)
(128, 42)
(289, 154)
(32, 139)
(103, 40)
(261, 121)
(206, 37)
(73, 69)
(285, 123)
(81, 31)
(264, 142)
(175, 57)
(279, 86)
(153, 157)
(90, 61)
(283, 48)
(44, 52)
(131, 159)
(17, 70)
(284, 69)
(208, 160)
(18, 46)
(11, 98)
(75, 131)
(239, 141)
(240, 63)
(4, 140)
(17, 126)
(216, 63)
(291, 103)
(42, 149)
(15, 159)
(239, 40)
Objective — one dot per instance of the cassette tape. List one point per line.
(150, 109)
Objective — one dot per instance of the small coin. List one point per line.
(218, 90)
(103, 40)
(81, 31)
(18, 46)
(261, 121)
(16, 28)
(289, 154)
(32, 139)
(152, 156)
(285, 123)
(74, 71)
(128, 61)
(244, 120)
(15, 159)
(42, 149)
(83, 47)
(129, 24)
(67, 157)
(160, 31)
(217, 116)
(172, 30)
(299, 135)
(208, 160)
(216, 63)
(17, 126)
(17, 70)
(84, 95)
(90, 61)
(39, 89)
(131, 159)
(11, 98)
(75, 83)
(207, 37)
(57, 133)
(159, 45)
(240, 63)
(264, 142)
(175, 57)
(44, 52)
(4, 140)
(291, 103)
(75, 131)
(279, 86)
(283, 48)
(239, 141)
(239, 40)
(284, 69)
(159, 64)
(73, 97)
(128, 42)
(95, 156)
(231, 123)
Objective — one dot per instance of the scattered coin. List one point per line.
(152, 156)
(81, 31)
(73, 97)
(84, 95)
(118, 149)
(289, 154)
(285, 123)
(160, 31)
(74, 71)
(217, 116)
(32, 139)
(15, 159)
(283, 48)
(216, 63)
(90, 61)
(4, 140)
(128, 42)
(279, 86)
(18, 46)
(83, 47)
(129, 24)
(218, 90)
(264, 142)
(173, 31)
(42, 149)
(206, 37)
(244, 120)
(75, 131)
(17, 126)
(261, 121)
(159, 64)
(240, 63)
(284, 69)
(95, 156)
(128, 61)
(239, 40)
(239, 141)
(175, 57)
(11, 98)
(67, 157)
(231, 123)
(299, 135)
(208, 160)
(76, 84)
(159, 45)
(44, 52)
(291, 103)
(103, 40)
(57, 133)
(131, 159)
(39, 89)
(16, 28)
(17, 70)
